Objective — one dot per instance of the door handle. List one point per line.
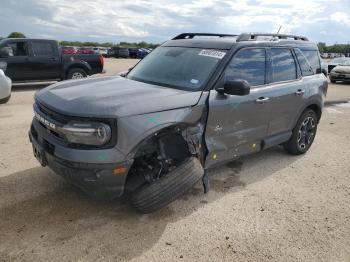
(53, 58)
(300, 92)
(262, 100)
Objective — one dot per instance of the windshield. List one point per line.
(177, 67)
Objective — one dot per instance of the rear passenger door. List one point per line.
(287, 90)
(45, 60)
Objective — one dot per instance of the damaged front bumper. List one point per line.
(99, 173)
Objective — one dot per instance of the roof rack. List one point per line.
(254, 36)
(192, 35)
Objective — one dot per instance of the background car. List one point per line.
(85, 51)
(100, 50)
(142, 52)
(68, 50)
(40, 59)
(335, 62)
(133, 52)
(5, 88)
(341, 72)
(118, 52)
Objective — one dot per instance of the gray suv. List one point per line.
(197, 101)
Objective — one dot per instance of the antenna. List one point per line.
(279, 29)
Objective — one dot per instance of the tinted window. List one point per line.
(313, 58)
(248, 64)
(18, 49)
(305, 66)
(283, 65)
(43, 49)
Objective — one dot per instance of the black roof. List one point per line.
(226, 42)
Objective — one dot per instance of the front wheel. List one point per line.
(303, 134)
(76, 73)
(166, 189)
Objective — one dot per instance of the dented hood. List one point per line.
(112, 97)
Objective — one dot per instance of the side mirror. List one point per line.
(4, 52)
(235, 87)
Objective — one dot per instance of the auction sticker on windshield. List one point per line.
(212, 53)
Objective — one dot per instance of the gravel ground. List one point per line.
(265, 207)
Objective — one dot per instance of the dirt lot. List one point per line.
(266, 207)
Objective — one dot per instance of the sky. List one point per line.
(159, 20)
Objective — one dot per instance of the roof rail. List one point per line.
(192, 35)
(254, 36)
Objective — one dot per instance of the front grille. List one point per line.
(52, 114)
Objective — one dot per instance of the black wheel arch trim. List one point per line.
(81, 64)
(315, 103)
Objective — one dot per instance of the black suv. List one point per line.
(195, 102)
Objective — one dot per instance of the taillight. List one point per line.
(102, 60)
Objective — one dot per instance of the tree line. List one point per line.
(336, 48)
(142, 44)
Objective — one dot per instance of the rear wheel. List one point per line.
(303, 133)
(76, 73)
(166, 189)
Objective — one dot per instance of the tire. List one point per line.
(333, 81)
(5, 100)
(303, 133)
(76, 73)
(160, 193)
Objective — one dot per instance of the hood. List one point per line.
(342, 69)
(112, 97)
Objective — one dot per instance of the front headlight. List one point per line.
(87, 133)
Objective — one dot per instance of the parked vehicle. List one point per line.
(68, 50)
(34, 59)
(118, 52)
(335, 62)
(100, 50)
(142, 53)
(85, 51)
(133, 52)
(5, 88)
(190, 105)
(341, 72)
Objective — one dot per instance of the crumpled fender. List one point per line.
(134, 130)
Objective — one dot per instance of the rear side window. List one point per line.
(306, 68)
(312, 57)
(283, 65)
(249, 65)
(43, 49)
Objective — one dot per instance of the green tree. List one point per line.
(16, 35)
(322, 47)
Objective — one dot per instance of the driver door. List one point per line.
(237, 125)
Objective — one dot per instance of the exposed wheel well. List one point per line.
(157, 156)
